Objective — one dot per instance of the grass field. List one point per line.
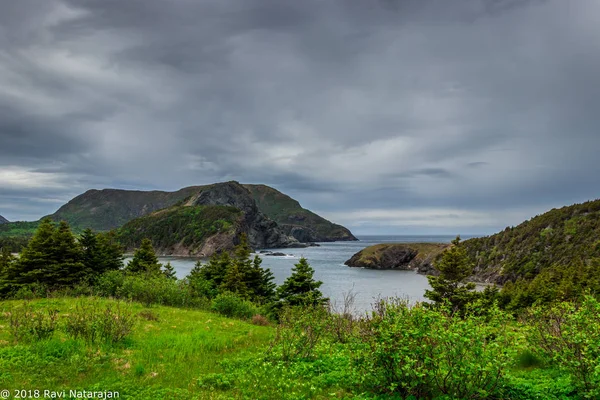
(182, 355)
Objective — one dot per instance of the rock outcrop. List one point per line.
(3, 220)
(262, 231)
(399, 256)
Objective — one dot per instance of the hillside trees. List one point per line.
(451, 285)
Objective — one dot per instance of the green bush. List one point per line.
(299, 332)
(568, 335)
(95, 323)
(230, 305)
(421, 352)
(110, 283)
(29, 325)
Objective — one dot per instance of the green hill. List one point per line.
(107, 209)
(559, 237)
(296, 221)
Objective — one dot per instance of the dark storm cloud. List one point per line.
(391, 115)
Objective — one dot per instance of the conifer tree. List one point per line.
(234, 281)
(169, 271)
(451, 285)
(6, 263)
(260, 282)
(214, 271)
(36, 260)
(68, 268)
(101, 253)
(301, 288)
(144, 260)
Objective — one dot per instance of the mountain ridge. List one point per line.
(3, 220)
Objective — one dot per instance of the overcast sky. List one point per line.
(387, 116)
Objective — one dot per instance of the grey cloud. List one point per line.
(485, 105)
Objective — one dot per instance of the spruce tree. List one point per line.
(216, 268)
(144, 260)
(68, 268)
(101, 253)
(36, 260)
(234, 281)
(169, 271)
(451, 285)
(6, 263)
(260, 282)
(300, 289)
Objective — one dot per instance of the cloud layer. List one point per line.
(384, 115)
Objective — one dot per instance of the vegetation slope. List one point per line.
(184, 230)
(560, 237)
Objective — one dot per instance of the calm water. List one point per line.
(338, 279)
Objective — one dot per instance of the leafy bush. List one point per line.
(299, 331)
(94, 323)
(569, 336)
(230, 305)
(110, 283)
(417, 351)
(27, 324)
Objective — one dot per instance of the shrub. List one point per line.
(93, 323)
(27, 324)
(230, 305)
(568, 334)
(423, 352)
(299, 331)
(109, 284)
(260, 320)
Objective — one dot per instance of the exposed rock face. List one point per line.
(262, 232)
(3, 220)
(295, 220)
(414, 256)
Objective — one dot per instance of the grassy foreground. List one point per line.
(182, 355)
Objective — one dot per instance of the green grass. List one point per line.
(161, 359)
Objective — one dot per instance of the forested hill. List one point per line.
(107, 209)
(296, 221)
(3, 220)
(559, 237)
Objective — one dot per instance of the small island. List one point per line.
(400, 256)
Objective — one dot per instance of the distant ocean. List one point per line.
(328, 261)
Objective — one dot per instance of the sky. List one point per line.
(387, 116)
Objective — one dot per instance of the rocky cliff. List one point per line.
(3, 220)
(400, 256)
(294, 220)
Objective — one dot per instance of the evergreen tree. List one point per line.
(214, 272)
(36, 260)
(300, 288)
(169, 271)
(451, 285)
(68, 268)
(111, 252)
(6, 263)
(260, 282)
(101, 253)
(144, 260)
(234, 281)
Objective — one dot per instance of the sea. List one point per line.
(340, 282)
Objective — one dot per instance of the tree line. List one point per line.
(54, 259)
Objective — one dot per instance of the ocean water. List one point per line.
(338, 279)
